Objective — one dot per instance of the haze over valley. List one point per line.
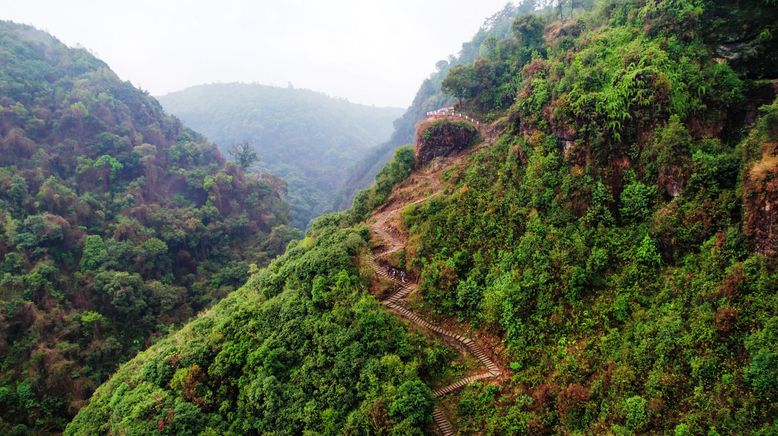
(308, 139)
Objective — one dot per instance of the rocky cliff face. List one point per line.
(760, 190)
(443, 138)
(761, 204)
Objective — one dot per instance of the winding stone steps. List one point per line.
(445, 427)
(394, 303)
(441, 392)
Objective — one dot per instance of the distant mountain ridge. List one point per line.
(307, 138)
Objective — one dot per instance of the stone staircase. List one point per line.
(395, 303)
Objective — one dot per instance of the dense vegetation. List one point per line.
(117, 224)
(301, 348)
(308, 139)
(618, 238)
(620, 234)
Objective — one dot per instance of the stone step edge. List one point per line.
(393, 303)
(442, 422)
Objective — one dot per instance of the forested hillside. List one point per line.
(619, 237)
(308, 139)
(302, 347)
(610, 243)
(117, 224)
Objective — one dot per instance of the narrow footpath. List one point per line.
(384, 226)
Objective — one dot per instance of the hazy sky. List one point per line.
(368, 51)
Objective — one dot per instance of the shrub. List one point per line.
(413, 401)
(635, 412)
(636, 201)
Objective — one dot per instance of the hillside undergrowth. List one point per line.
(604, 235)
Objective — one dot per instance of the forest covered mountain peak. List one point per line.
(309, 139)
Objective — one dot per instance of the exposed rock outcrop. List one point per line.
(443, 138)
(760, 183)
(760, 201)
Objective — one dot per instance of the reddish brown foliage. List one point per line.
(614, 174)
(672, 178)
(536, 427)
(537, 65)
(520, 154)
(731, 284)
(725, 319)
(191, 383)
(448, 278)
(571, 398)
(378, 415)
(656, 405)
(544, 395)
(559, 30)
(15, 144)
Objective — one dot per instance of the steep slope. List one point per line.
(307, 138)
(116, 224)
(390, 241)
(610, 248)
(302, 347)
(619, 235)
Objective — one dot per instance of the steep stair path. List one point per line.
(393, 240)
(444, 425)
(394, 302)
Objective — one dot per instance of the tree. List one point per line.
(94, 253)
(599, 209)
(636, 200)
(109, 163)
(413, 401)
(459, 82)
(244, 155)
(636, 413)
(671, 151)
(127, 294)
(647, 253)
(109, 167)
(528, 29)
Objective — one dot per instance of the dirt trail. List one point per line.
(386, 226)
(385, 222)
(420, 186)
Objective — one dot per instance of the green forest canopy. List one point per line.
(302, 347)
(616, 236)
